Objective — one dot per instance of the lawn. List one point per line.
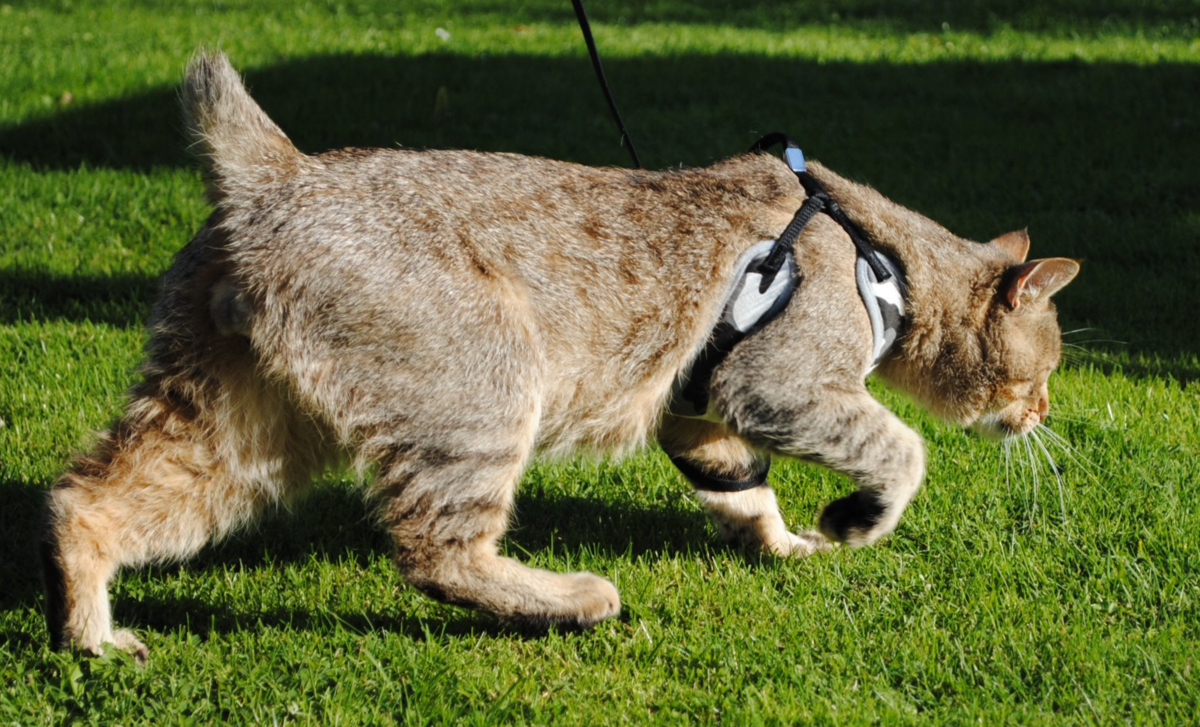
(1009, 593)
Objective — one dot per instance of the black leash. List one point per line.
(612, 105)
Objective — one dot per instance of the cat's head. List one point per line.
(983, 333)
(992, 368)
(1022, 342)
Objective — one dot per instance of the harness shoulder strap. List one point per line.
(820, 202)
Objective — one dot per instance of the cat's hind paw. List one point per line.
(126, 641)
(121, 639)
(584, 600)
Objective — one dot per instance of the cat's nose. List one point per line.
(1043, 409)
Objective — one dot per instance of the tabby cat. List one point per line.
(440, 317)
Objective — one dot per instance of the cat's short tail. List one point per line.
(237, 142)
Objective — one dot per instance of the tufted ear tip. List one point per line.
(1014, 243)
(1036, 279)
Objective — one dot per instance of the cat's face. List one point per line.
(1020, 346)
(992, 375)
(1021, 350)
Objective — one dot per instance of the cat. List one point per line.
(440, 317)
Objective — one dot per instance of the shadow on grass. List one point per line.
(195, 616)
(20, 521)
(1088, 156)
(333, 524)
(119, 299)
(1059, 16)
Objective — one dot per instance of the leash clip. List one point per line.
(794, 158)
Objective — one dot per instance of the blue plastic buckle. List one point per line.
(794, 158)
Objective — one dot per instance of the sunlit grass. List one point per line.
(1055, 581)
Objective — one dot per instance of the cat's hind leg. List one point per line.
(156, 487)
(731, 484)
(447, 505)
(440, 396)
(447, 471)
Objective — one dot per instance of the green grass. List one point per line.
(992, 602)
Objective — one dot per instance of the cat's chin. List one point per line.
(993, 427)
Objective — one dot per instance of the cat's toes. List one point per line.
(774, 539)
(122, 639)
(801, 545)
(125, 640)
(595, 600)
(588, 601)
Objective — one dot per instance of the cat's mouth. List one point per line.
(993, 426)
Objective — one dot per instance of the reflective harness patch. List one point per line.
(884, 301)
(747, 310)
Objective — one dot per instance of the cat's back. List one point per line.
(393, 214)
(582, 244)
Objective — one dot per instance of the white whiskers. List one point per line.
(1043, 450)
(1088, 466)
(1035, 435)
(1034, 470)
(1077, 353)
(1040, 452)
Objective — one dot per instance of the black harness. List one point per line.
(818, 201)
(691, 397)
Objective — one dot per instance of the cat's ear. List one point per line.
(1014, 243)
(1035, 279)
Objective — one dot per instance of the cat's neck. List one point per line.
(948, 279)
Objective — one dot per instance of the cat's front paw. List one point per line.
(122, 639)
(126, 641)
(858, 519)
(800, 545)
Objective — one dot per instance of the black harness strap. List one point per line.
(818, 201)
(834, 210)
(786, 241)
(710, 482)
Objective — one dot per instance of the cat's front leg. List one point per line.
(731, 483)
(752, 518)
(848, 431)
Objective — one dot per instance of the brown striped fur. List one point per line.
(441, 317)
